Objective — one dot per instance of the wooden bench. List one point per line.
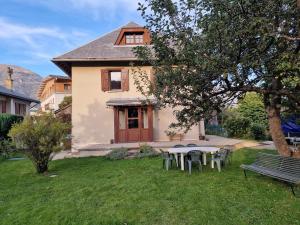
(282, 168)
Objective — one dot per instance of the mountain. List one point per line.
(25, 81)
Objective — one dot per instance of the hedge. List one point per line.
(6, 122)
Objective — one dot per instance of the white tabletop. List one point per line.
(187, 149)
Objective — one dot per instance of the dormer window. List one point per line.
(134, 38)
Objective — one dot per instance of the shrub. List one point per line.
(6, 122)
(117, 154)
(237, 126)
(258, 131)
(146, 151)
(38, 137)
(6, 148)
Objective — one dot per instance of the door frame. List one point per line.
(149, 137)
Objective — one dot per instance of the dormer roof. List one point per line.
(104, 48)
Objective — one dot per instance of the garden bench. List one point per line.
(282, 168)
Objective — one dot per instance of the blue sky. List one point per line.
(34, 31)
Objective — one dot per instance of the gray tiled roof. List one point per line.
(7, 92)
(102, 48)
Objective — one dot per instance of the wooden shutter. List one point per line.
(125, 80)
(17, 108)
(3, 104)
(104, 80)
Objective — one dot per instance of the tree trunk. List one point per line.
(41, 167)
(276, 131)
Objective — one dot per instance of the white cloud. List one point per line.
(38, 43)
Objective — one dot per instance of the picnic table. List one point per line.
(184, 150)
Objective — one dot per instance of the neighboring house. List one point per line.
(12, 102)
(53, 90)
(106, 105)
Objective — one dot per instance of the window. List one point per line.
(115, 80)
(134, 38)
(133, 118)
(67, 87)
(129, 39)
(20, 109)
(3, 106)
(145, 118)
(122, 119)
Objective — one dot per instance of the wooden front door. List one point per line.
(133, 124)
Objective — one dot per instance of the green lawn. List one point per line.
(99, 191)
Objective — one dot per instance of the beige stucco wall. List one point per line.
(93, 121)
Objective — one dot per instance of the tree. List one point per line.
(208, 53)
(252, 107)
(38, 137)
(65, 102)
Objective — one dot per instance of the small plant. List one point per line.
(117, 154)
(258, 131)
(38, 137)
(146, 151)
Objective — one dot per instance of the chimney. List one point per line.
(9, 82)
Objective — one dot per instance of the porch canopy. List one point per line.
(131, 102)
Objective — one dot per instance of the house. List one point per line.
(12, 102)
(106, 106)
(52, 91)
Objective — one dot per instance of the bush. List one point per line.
(146, 151)
(38, 137)
(237, 126)
(65, 102)
(258, 131)
(117, 154)
(6, 148)
(6, 122)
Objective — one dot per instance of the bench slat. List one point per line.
(276, 166)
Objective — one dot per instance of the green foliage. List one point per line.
(237, 126)
(6, 122)
(252, 107)
(6, 148)
(117, 154)
(146, 151)
(208, 53)
(38, 137)
(65, 102)
(257, 131)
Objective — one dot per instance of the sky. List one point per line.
(32, 32)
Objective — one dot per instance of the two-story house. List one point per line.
(13, 102)
(52, 91)
(106, 106)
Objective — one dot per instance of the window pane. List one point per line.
(133, 113)
(122, 119)
(139, 39)
(115, 80)
(67, 87)
(133, 123)
(129, 39)
(145, 118)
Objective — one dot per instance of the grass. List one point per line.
(99, 191)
